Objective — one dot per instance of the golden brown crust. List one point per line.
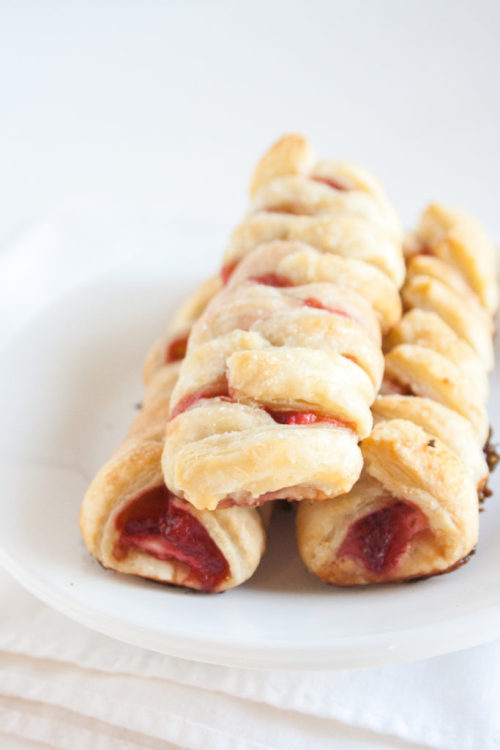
(442, 348)
(296, 334)
(347, 236)
(423, 462)
(135, 468)
(292, 154)
(254, 345)
(469, 321)
(238, 532)
(457, 238)
(244, 464)
(260, 464)
(309, 343)
(427, 329)
(301, 195)
(452, 429)
(151, 420)
(335, 207)
(191, 309)
(401, 465)
(427, 373)
(180, 328)
(301, 265)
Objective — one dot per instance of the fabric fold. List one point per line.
(443, 703)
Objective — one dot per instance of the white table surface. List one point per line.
(143, 107)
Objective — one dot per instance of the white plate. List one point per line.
(70, 380)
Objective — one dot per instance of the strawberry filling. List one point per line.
(396, 386)
(420, 249)
(335, 184)
(271, 279)
(378, 540)
(227, 271)
(313, 302)
(160, 524)
(218, 389)
(308, 417)
(176, 349)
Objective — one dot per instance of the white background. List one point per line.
(151, 107)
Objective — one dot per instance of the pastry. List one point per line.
(442, 348)
(265, 387)
(353, 220)
(241, 438)
(412, 514)
(133, 524)
(288, 354)
(335, 207)
(414, 511)
(172, 347)
(255, 438)
(289, 180)
(458, 239)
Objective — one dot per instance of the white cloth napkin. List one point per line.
(69, 687)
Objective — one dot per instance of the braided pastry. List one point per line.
(335, 207)
(338, 209)
(414, 511)
(172, 347)
(133, 524)
(131, 520)
(288, 353)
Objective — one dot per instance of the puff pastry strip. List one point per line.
(355, 221)
(335, 207)
(412, 514)
(458, 239)
(172, 348)
(296, 335)
(427, 445)
(288, 179)
(133, 524)
(291, 433)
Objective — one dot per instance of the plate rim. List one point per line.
(358, 652)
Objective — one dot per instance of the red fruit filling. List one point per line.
(421, 249)
(425, 250)
(396, 386)
(271, 279)
(379, 539)
(159, 524)
(217, 389)
(220, 389)
(308, 417)
(227, 271)
(176, 349)
(313, 302)
(335, 184)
